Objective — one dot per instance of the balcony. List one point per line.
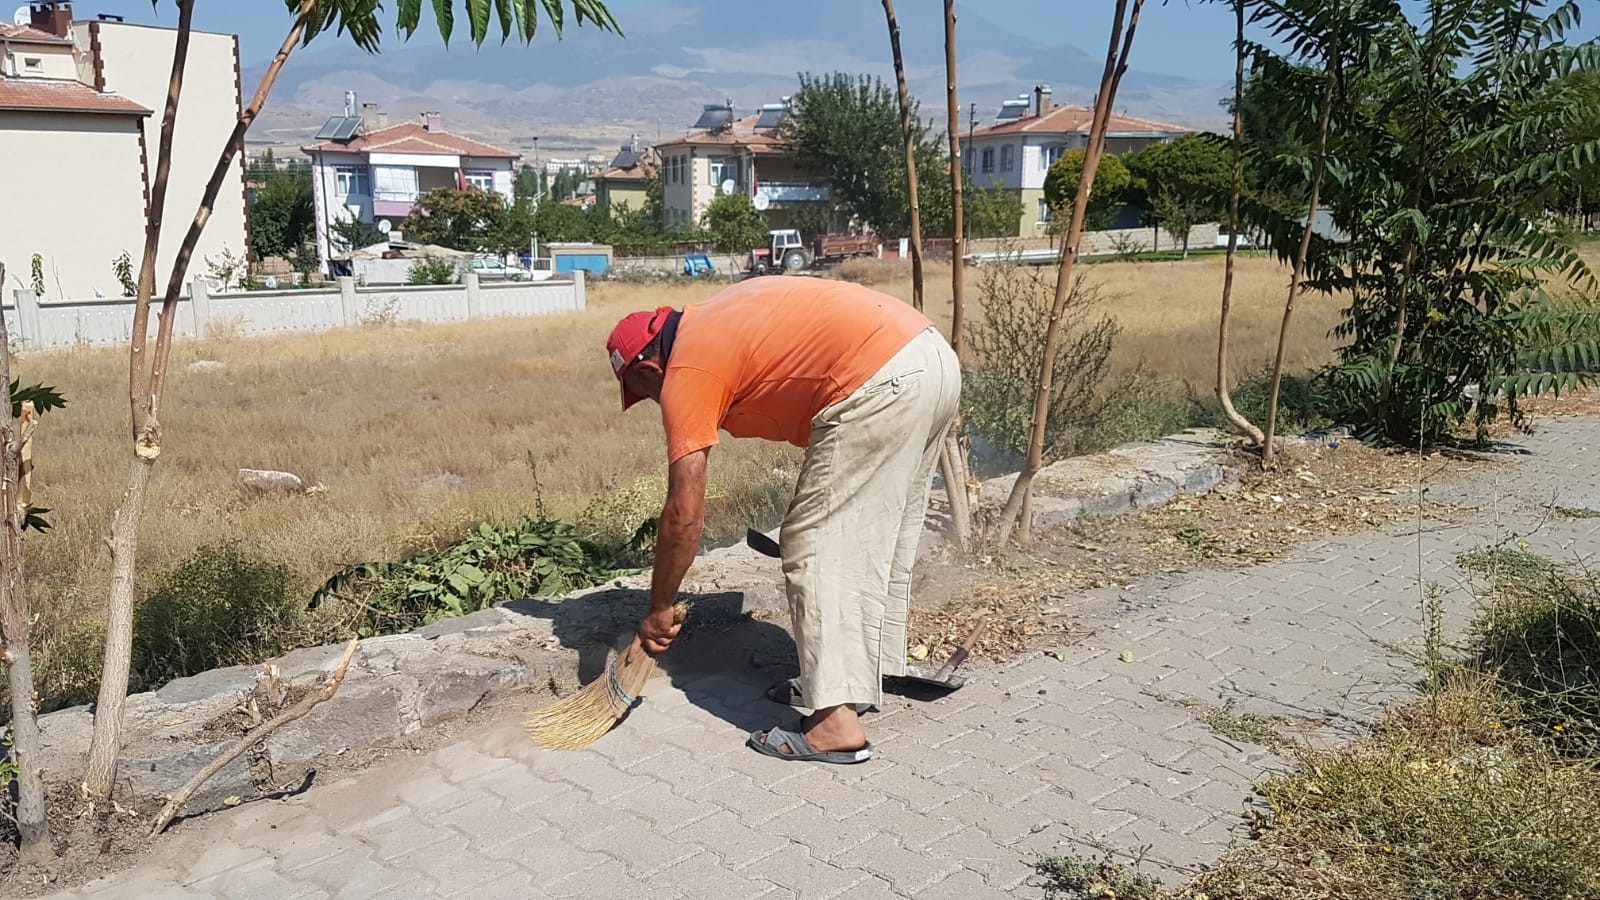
(795, 192)
(389, 204)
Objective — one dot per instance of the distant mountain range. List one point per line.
(591, 91)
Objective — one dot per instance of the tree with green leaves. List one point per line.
(528, 187)
(992, 212)
(1185, 182)
(1111, 182)
(283, 217)
(1450, 133)
(460, 220)
(735, 225)
(148, 366)
(847, 129)
(351, 233)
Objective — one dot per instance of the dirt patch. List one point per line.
(1032, 593)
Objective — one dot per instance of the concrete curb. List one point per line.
(401, 684)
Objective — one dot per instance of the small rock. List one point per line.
(206, 365)
(264, 481)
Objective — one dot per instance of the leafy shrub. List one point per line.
(491, 564)
(222, 607)
(1007, 349)
(431, 271)
(1304, 402)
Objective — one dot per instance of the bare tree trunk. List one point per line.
(16, 627)
(146, 393)
(1320, 167)
(909, 134)
(1116, 64)
(123, 541)
(953, 462)
(1243, 425)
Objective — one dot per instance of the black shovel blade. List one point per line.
(761, 544)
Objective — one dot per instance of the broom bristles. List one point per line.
(585, 717)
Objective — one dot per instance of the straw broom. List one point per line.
(585, 717)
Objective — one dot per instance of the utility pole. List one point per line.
(966, 160)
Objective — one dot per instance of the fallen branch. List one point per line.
(256, 736)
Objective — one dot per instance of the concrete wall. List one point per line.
(1103, 243)
(136, 63)
(74, 195)
(48, 324)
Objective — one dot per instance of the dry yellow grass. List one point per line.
(1168, 313)
(371, 414)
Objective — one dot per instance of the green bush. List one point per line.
(222, 607)
(1008, 349)
(431, 271)
(1304, 402)
(490, 564)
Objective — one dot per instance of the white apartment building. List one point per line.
(80, 109)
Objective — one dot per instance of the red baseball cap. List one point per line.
(628, 340)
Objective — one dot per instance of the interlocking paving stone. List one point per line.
(1038, 755)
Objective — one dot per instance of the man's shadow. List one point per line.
(723, 660)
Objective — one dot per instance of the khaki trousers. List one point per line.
(850, 537)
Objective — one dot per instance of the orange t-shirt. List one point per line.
(764, 357)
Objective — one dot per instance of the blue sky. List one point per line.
(1177, 37)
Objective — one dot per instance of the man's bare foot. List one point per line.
(835, 728)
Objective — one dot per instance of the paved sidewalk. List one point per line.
(1038, 756)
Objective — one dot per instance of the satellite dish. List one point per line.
(385, 226)
(23, 16)
(762, 202)
(730, 186)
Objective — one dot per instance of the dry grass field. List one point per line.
(519, 409)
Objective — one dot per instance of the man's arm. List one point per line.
(677, 542)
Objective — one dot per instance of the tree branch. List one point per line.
(256, 736)
(180, 265)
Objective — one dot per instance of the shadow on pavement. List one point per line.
(724, 659)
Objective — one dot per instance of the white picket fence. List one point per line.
(37, 324)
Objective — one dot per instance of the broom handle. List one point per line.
(960, 656)
(680, 612)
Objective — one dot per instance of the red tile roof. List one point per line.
(30, 34)
(743, 135)
(412, 137)
(53, 95)
(1076, 120)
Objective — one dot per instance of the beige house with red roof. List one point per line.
(368, 171)
(743, 155)
(1030, 134)
(77, 135)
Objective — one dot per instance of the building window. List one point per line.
(1008, 156)
(482, 179)
(987, 164)
(1050, 155)
(1045, 213)
(725, 170)
(352, 180)
(32, 64)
